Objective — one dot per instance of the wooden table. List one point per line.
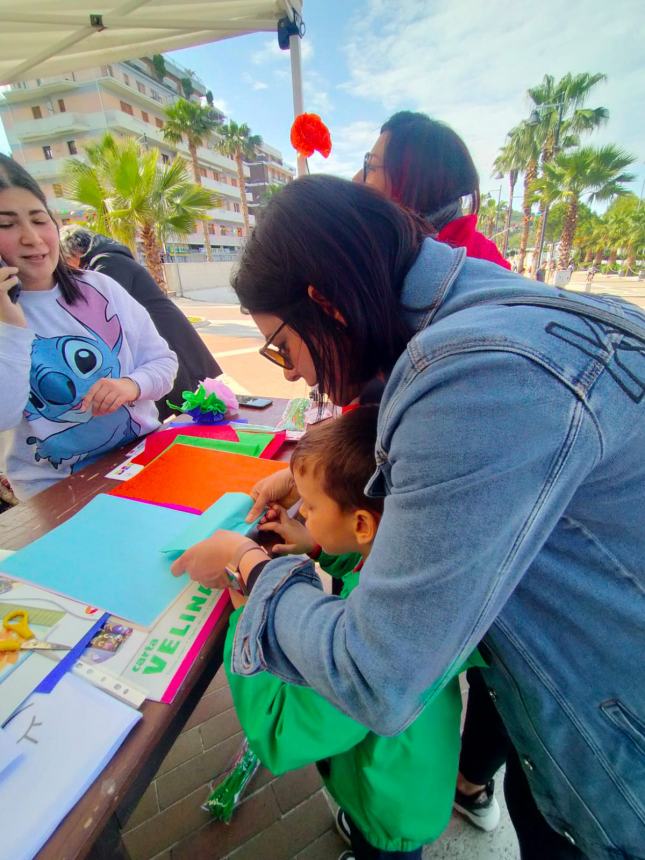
(93, 824)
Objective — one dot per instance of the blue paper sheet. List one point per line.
(228, 512)
(109, 556)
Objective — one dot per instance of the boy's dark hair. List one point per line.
(355, 247)
(13, 175)
(428, 164)
(341, 454)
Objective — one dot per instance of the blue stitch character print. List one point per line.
(63, 369)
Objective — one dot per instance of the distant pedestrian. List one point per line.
(591, 272)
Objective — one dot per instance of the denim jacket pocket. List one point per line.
(628, 723)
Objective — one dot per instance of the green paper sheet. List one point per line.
(251, 444)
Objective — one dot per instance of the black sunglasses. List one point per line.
(369, 165)
(274, 353)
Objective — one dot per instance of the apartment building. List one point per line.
(49, 120)
(266, 171)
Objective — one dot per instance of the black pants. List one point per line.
(485, 746)
(484, 741)
(364, 851)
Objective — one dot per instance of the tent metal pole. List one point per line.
(296, 83)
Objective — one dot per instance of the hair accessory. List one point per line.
(309, 134)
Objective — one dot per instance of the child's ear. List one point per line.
(365, 526)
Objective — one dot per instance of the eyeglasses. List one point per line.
(369, 164)
(274, 353)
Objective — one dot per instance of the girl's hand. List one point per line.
(205, 561)
(108, 395)
(10, 313)
(296, 540)
(237, 599)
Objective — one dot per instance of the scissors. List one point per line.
(16, 622)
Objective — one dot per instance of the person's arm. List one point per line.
(287, 726)
(155, 364)
(482, 465)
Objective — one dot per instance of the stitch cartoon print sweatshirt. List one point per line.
(47, 368)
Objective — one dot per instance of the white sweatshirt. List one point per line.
(47, 368)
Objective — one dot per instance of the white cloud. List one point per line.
(470, 64)
(349, 143)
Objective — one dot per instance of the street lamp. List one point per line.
(534, 119)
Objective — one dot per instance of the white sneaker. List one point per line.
(481, 809)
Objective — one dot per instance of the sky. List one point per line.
(466, 62)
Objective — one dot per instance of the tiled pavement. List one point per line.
(284, 818)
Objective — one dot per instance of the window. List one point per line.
(211, 229)
(203, 172)
(126, 108)
(222, 231)
(236, 207)
(107, 71)
(155, 95)
(216, 176)
(73, 149)
(158, 122)
(144, 116)
(36, 112)
(126, 79)
(58, 190)
(61, 105)
(234, 182)
(141, 87)
(165, 158)
(239, 231)
(47, 152)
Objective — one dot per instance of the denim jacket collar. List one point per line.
(428, 282)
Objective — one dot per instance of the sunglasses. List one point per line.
(274, 353)
(369, 164)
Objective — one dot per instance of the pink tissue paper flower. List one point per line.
(221, 390)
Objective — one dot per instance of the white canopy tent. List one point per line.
(40, 38)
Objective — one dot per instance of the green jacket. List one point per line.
(398, 790)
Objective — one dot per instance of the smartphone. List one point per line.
(14, 292)
(254, 402)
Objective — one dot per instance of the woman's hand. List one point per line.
(108, 395)
(237, 599)
(295, 537)
(10, 313)
(279, 487)
(205, 561)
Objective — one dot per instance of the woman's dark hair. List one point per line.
(428, 164)
(355, 247)
(340, 454)
(13, 175)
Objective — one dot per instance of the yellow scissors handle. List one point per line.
(16, 622)
(10, 645)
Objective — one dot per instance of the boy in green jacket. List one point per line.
(395, 793)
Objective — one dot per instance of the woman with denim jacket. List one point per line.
(509, 453)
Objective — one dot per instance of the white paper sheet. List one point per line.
(66, 739)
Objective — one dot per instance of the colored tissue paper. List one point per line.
(191, 479)
(162, 439)
(108, 555)
(228, 513)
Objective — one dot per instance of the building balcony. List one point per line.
(48, 170)
(197, 238)
(26, 91)
(48, 127)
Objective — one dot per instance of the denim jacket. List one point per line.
(511, 454)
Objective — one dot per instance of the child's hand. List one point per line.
(295, 537)
(108, 395)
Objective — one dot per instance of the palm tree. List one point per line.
(132, 194)
(237, 142)
(596, 172)
(487, 214)
(559, 116)
(626, 230)
(195, 123)
(512, 160)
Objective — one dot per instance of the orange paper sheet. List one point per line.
(191, 479)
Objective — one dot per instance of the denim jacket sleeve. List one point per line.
(479, 454)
